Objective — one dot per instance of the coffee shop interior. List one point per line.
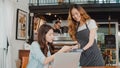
(20, 19)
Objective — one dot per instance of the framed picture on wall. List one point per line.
(21, 25)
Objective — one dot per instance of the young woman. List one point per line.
(41, 50)
(83, 29)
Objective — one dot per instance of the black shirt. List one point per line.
(57, 31)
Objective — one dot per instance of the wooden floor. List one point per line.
(103, 67)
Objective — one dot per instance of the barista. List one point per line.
(57, 27)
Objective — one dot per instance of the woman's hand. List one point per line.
(50, 66)
(77, 46)
(66, 48)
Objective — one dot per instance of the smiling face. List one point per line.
(49, 36)
(75, 14)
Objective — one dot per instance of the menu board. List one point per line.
(110, 41)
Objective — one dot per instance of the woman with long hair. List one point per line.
(83, 29)
(42, 50)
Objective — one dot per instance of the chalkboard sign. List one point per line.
(110, 41)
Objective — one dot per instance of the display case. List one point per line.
(61, 40)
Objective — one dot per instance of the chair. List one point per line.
(24, 62)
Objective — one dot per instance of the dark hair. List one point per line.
(42, 31)
(57, 22)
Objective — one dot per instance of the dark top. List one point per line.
(91, 56)
(57, 31)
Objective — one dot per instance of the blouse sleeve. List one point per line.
(92, 24)
(37, 53)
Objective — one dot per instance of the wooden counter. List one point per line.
(102, 67)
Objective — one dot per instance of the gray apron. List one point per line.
(92, 56)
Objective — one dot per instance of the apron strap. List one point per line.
(77, 26)
(87, 26)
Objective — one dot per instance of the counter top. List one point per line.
(102, 67)
(63, 39)
(65, 42)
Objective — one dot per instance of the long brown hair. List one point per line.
(42, 31)
(72, 24)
